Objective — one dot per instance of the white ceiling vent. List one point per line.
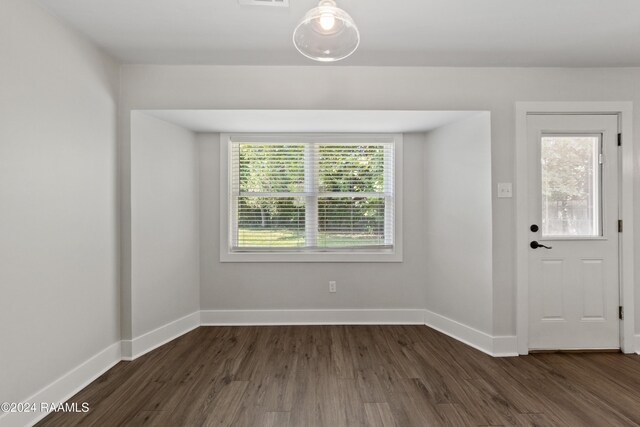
(276, 3)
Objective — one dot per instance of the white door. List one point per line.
(573, 245)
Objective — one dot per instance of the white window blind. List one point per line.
(311, 195)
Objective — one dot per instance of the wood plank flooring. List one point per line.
(355, 376)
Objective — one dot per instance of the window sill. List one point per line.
(381, 256)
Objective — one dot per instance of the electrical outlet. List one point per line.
(332, 286)
(505, 190)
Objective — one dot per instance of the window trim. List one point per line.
(342, 255)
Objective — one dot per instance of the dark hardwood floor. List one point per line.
(352, 376)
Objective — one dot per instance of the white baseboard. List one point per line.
(505, 346)
(132, 349)
(466, 334)
(65, 387)
(637, 344)
(499, 346)
(312, 317)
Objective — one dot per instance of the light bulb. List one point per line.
(327, 21)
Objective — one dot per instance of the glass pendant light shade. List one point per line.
(326, 33)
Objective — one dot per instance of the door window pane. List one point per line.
(571, 185)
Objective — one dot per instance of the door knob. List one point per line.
(536, 245)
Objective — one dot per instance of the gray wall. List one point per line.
(306, 285)
(165, 281)
(59, 299)
(457, 221)
(413, 88)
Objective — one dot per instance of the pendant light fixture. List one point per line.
(326, 33)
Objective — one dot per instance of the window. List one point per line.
(310, 197)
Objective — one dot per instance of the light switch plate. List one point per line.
(505, 190)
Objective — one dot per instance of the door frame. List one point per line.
(624, 111)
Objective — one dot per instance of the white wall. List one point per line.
(262, 286)
(59, 295)
(413, 88)
(164, 223)
(457, 222)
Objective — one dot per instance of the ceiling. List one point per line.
(572, 33)
(309, 121)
